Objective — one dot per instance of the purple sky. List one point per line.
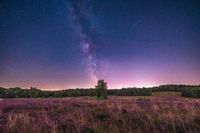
(59, 44)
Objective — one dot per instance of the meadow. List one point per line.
(162, 112)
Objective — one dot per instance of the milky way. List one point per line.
(59, 44)
(83, 27)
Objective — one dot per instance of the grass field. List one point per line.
(162, 112)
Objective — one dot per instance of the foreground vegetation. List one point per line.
(150, 114)
(156, 109)
(193, 92)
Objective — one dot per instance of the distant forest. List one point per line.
(17, 92)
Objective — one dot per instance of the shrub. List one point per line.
(186, 92)
(191, 92)
(195, 92)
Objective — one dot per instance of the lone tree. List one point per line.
(101, 90)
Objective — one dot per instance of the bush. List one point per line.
(191, 92)
(195, 92)
(186, 92)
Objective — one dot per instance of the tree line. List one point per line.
(192, 91)
(100, 91)
(34, 92)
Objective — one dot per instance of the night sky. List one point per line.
(59, 44)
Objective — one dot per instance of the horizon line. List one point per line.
(49, 89)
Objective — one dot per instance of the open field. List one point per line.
(162, 112)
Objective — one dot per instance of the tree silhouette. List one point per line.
(101, 89)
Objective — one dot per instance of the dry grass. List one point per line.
(166, 94)
(160, 113)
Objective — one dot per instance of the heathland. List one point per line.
(161, 112)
